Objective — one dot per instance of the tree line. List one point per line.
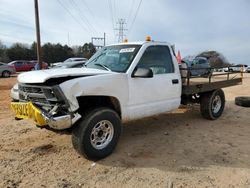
(51, 53)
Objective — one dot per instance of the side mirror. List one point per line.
(142, 73)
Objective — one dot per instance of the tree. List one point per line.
(33, 51)
(77, 51)
(88, 49)
(56, 52)
(3, 53)
(215, 59)
(18, 51)
(51, 53)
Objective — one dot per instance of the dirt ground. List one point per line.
(179, 149)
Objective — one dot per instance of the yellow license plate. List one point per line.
(26, 110)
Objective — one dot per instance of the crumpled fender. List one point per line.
(113, 85)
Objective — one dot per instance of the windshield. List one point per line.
(114, 58)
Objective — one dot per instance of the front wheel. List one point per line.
(97, 134)
(212, 104)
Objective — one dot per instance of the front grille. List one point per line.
(40, 101)
(35, 94)
(30, 89)
(45, 98)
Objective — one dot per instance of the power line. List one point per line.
(86, 5)
(8, 21)
(115, 10)
(137, 10)
(131, 10)
(16, 38)
(84, 28)
(90, 11)
(83, 18)
(111, 15)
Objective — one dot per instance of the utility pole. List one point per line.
(38, 47)
(121, 29)
(104, 39)
(68, 40)
(99, 38)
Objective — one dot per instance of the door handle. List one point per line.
(175, 81)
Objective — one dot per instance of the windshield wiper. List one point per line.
(103, 66)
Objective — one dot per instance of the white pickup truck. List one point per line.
(121, 82)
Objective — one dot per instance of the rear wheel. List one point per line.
(212, 104)
(97, 134)
(6, 74)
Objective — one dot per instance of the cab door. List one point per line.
(161, 93)
(19, 66)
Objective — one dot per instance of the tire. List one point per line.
(92, 127)
(242, 101)
(6, 74)
(212, 104)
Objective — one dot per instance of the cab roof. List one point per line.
(140, 43)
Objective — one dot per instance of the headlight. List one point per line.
(50, 95)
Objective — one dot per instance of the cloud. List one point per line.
(193, 26)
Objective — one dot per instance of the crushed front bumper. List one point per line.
(26, 110)
(61, 122)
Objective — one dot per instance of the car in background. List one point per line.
(6, 70)
(72, 59)
(199, 66)
(76, 64)
(24, 65)
(248, 69)
(238, 68)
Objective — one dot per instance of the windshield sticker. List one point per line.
(127, 50)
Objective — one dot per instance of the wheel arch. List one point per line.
(90, 102)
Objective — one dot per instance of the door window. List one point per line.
(158, 59)
(18, 63)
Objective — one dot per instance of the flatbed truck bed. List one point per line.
(192, 86)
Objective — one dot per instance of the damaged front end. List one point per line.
(49, 101)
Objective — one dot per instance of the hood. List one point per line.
(41, 76)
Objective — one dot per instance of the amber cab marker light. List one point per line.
(148, 38)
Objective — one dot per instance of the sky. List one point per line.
(193, 26)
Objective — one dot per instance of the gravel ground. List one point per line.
(178, 149)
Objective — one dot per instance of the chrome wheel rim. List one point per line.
(102, 134)
(216, 104)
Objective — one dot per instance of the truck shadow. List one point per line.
(184, 141)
